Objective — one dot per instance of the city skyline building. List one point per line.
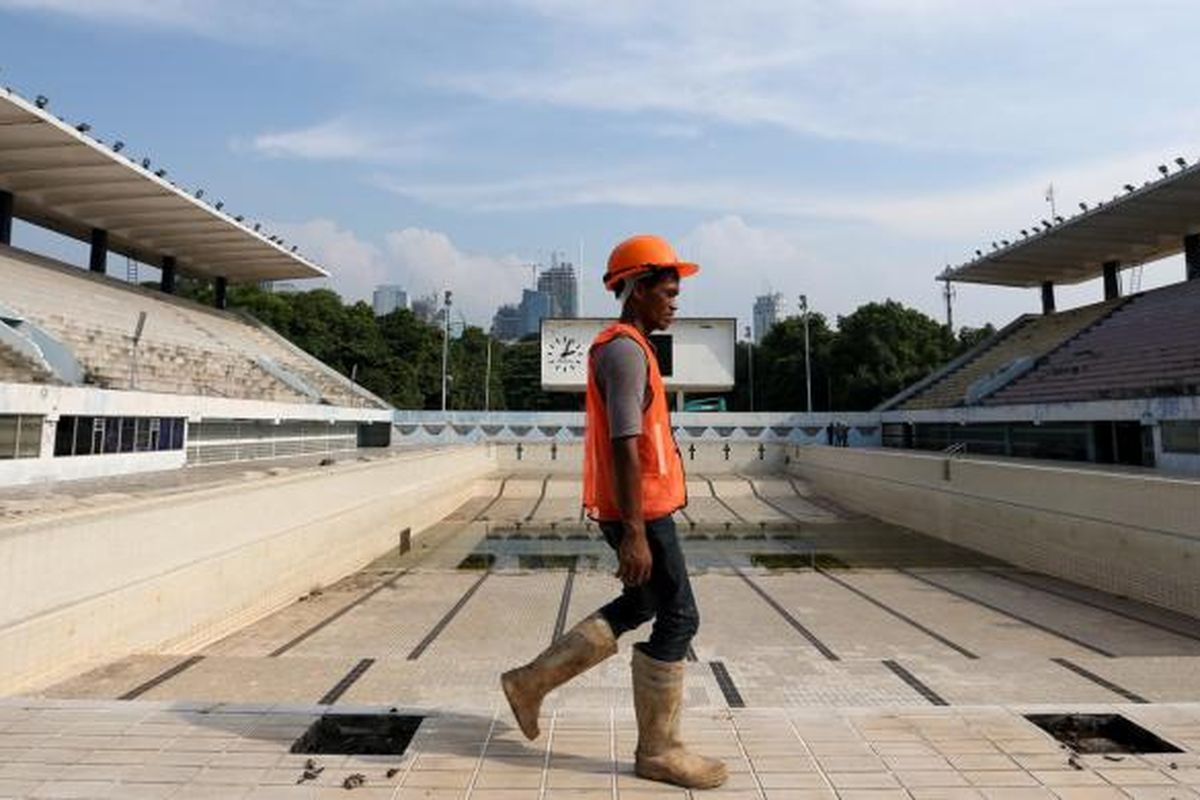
(561, 283)
(506, 323)
(387, 298)
(767, 310)
(427, 308)
(535, 306)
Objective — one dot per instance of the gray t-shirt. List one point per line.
(622, 382)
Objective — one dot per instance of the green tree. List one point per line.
(969, 337)
(522, 381)
(779, 370)
(880, 349)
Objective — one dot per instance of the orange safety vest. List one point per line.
(663, 488)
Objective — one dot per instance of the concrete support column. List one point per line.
(1048, 297)
(1112, 280)
(98, 262)
(168, 274)
(1191, 255)
(6, 217)
(221, 285)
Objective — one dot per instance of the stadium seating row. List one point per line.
(185, 348)
(1031, 337)
(1149, 347)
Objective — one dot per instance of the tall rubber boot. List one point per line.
(661, 756)
(576, 651)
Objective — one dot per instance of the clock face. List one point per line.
(564, 353)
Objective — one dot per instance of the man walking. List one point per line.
(632, 482)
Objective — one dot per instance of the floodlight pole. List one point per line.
(750, 361)
(807, 360)
(487, 378)
(445, 345)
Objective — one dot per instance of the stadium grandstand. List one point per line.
(100, 376)
(1116, 382)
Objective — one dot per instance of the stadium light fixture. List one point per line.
(995, 246)
(199, 193)
(1047, 225)
(1129, 187)
(1083, 206)
(1182, 162)
(41, 101)
(1025, 233)
(83, 127)
(1163, 169)
(978, 253)
(257, 226)
(118, 146)
(1059, 220)
(1004, 242)
(160, 173)
(220, 205)
(145, 163)
(239, 218)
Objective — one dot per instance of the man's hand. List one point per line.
(633, 556)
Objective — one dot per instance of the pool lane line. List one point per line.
(560, 622)
(499, 493)
(161, 678)
(713, 489)
(691, 523)
(767, 501)
(335, 616)
(821, 647)
(733, 698)
(348, 680)
(915, 683)
(824, 503)
(1100, 680)
(538, 503)
(1009, 576)
(1011, 615)
(436, 630)
(899, 615)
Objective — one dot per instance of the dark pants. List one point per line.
(666, 598)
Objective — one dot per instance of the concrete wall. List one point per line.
(51, 402)
(1128, 533)
(172, 573)
(699, 458)
(425, 427)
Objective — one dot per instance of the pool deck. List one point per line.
(837, 657)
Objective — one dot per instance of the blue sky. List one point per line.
(848, 149)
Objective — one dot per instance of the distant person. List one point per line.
(632, 483)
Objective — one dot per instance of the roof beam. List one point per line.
(72, 183)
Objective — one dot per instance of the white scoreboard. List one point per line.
(694, 354)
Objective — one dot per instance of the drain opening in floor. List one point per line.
(478, 561)
(1101, 733)
(358, 734)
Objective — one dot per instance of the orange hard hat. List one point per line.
(641, 254)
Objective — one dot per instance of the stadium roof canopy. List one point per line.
(64, 180)
(1143, 224)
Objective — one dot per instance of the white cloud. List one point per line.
(934, 74)
(355, 266)
(342, 139)
(423, 261)
(430, 261)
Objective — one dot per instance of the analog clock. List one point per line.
(564, 353)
